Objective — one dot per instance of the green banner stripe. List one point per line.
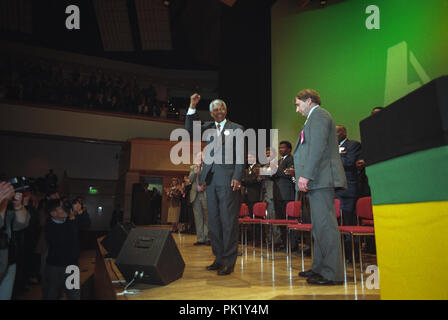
(417, 177)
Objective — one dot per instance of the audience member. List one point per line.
(43, 216)
(13, 217)
(267, 195)
(51, 180)
(284, 187)
(174, 192)
(62, 235)
(32, 232)
(81, 214)
(376, 110)
(186, 212)
(350, 152)
(251, 182)
(42, 82)
(156, 205)
(363, 181)
(198, 199)
(164, 111)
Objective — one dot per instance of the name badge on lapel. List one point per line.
(342, 150)
(302, 137)
(226, 132)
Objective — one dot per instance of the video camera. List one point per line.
(19, 183)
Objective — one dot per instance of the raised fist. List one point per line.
(194, 100)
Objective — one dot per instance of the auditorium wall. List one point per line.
(33, 155)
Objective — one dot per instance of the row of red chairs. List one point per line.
(292, 224)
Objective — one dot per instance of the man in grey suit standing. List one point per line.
(319, 170)
(199, 201)
(223, 185)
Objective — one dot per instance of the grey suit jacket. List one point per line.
(192, 177)
(317, 157)
(224, 173)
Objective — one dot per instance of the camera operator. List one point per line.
(62, 235)
(81, 215)
(13, 217)
(32, 260)
(43, 216)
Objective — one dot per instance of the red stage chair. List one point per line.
(363, 210)
(244, 212)
(291, 215)
(307, 228)
(302, 228)
(258, 216)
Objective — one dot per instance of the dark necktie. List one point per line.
(280, 162)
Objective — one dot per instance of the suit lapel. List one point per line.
(344, 145)
(284, 161)
(298, 140)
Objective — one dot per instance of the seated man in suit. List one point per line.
(223, 183)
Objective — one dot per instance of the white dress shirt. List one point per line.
(311, 111)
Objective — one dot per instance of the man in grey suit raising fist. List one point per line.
(318, 168)
(223, 181)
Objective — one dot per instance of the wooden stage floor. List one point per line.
(254, 278)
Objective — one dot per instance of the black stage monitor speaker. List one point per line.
(154, 252)
(115, 239)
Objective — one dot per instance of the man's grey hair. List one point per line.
(217, 101)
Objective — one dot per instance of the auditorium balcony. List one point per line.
(113, 99)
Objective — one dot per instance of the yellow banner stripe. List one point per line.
(412, 243)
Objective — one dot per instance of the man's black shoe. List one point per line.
(213, 266)
(307, 274)
(208, 243)
(225, 270)
(320, 280)
(199, 243)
